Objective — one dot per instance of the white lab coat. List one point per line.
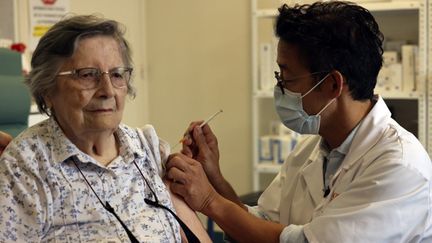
(381, 192)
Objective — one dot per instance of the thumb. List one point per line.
(200, 140)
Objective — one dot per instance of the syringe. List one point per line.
(201, 125)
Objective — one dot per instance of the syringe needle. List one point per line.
(211, 118)
(202, 124)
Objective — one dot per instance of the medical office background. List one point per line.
(194, 57)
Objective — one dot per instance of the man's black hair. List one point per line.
(338, 36)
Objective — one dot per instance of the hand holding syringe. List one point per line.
(187, 135)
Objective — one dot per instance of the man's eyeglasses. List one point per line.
(88, 78)
(282, 83)
(191, 237)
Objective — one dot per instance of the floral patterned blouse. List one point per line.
(44, 198)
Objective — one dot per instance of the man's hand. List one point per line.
(190, 181)
(203, 147)
(201, 144)
(4, 140)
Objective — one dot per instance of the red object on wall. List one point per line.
(48, 2)
(19, 47)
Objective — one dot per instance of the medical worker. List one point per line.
(358, 177)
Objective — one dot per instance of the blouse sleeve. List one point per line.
(24, 200)
(159, 149)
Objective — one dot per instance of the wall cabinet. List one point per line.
(404, 25)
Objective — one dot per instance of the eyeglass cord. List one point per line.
(108, 207)
(191, 237)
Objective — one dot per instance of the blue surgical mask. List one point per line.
(290, 110)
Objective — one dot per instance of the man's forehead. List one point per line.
(289, 58)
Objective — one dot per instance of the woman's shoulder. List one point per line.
(147, 129)
(28, 144)
(146, 135)
(157, 149)
(35, 134)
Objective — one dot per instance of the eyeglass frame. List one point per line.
(75, 72)
(281, 83)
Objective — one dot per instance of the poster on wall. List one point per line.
(43, 15)
(7, 23)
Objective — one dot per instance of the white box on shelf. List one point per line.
(390, 57)
(389, 79)
(409, 55)
(282, 146)
(394, 45)
(5, 43)
(266, 67)
(265, 149)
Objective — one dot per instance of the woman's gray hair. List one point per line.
(60, 43)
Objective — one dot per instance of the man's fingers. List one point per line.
(191, 127)
(187, 151)
(179, 161)
(176, 175)
(208, 133)
(200, 140)
(178, 189)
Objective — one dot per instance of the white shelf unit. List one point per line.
(416, 13)
(429, 80)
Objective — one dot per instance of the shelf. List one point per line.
(266, 13)
(391, 13)
(393, 95)
(263, 94)
(371, 6)
(391, 5)
(268, 168)
(402, 96)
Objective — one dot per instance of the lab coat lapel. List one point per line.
(312, 175)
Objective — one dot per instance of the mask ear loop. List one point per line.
(333, 100)
(316, 85)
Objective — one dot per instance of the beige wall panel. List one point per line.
(199, 62)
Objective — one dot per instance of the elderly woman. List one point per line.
(81, 176)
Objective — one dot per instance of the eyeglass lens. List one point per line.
(90, 77)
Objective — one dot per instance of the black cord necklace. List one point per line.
(191, 237)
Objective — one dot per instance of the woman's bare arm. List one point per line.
(189, 217)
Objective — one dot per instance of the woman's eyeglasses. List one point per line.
(88, 78)
(189, 234)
